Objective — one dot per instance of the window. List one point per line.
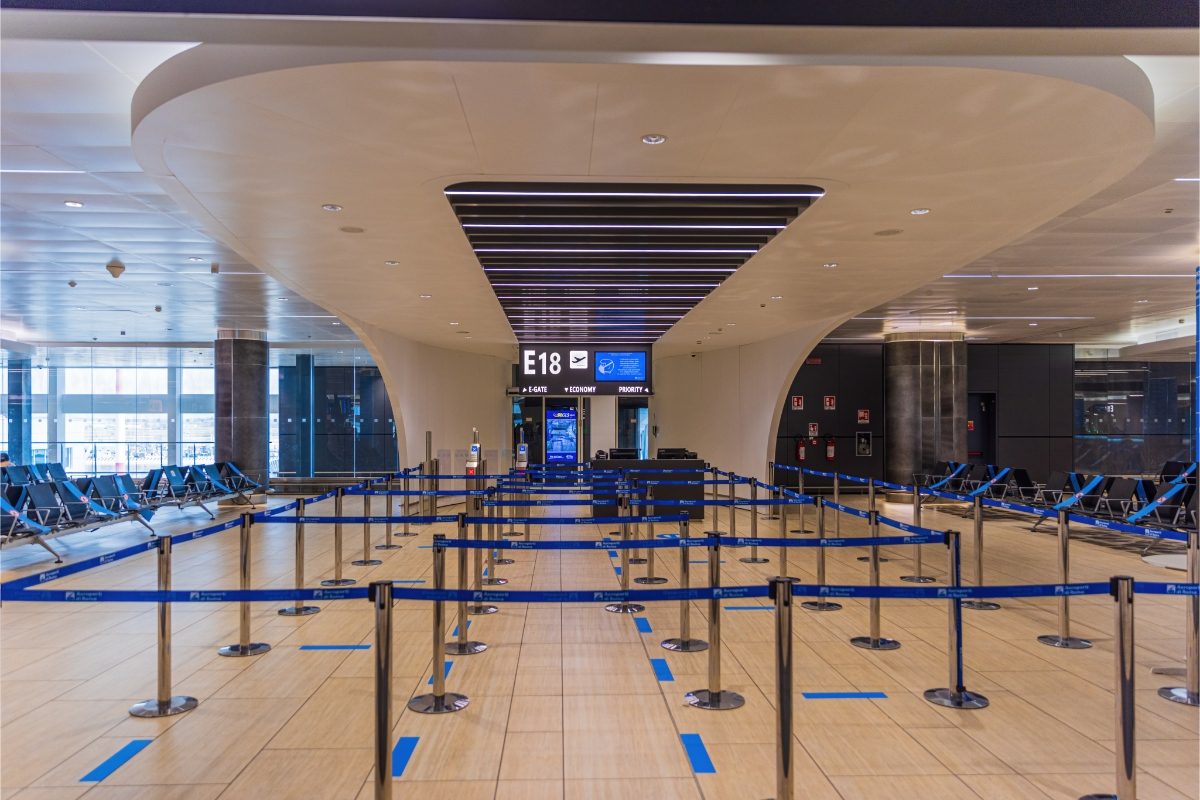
(196, 381)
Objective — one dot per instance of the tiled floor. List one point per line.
(565, 702)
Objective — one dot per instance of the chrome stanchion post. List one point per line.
(299, 609)
(650, 577)
(636, 499)
(685, 643)
(440, 701)
(387, 533)
(800, 490)
(714, 698)
(366, 560)
(821, 604)
(1125, 744)
(875, 641)
(781, 593)
(977, 519)
(164, 704)
(476, 505)
(772, 476)
(404, 505)
(624, 607)
(917, 576)
(388, 508)
(337, 579)
(782, 516)
(732, 498)
(753, 558)
(1190, 694)
(716, 509)
(493, 559)
(955, 695)
(1063, 638)
(871, 507)
(244, 647)
(494, 531)
(837, 498)
(381, 598)
(461, 646)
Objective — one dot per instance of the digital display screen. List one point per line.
(620, 365)
(561, 436)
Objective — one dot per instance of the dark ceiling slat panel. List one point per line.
(613, 262)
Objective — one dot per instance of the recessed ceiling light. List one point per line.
(1033, 324)
(195, 259)
(1190, 180)
(776, 297)
(654, 138)
(72, 204)
(919, 212)
(830, 265)
(1142, 301)
(730, 324)
(392, 263)
(1031, 288)
(335, 323)
(331, 207)
(282, 299)
(453, 323)
(426, 296)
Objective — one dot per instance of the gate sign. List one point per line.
(581, 370)
(797, 402)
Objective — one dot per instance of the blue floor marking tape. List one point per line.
(844, 695)
(697, 753)
(455, 631)
(748, 608)
(643, 625)
(335, 647)
(116, 760)
(662, 670)
(446, 674)
(612, 553)
(402, 754)
(617, 570)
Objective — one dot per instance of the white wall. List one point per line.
(604, 423)
(444, 391)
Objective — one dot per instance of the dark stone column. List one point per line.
(926, 402)
(242, 397)
(20, 410)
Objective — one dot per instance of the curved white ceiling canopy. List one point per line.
(254, 141)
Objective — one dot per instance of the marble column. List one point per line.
(20, 410)
(926, 412)
(242, 394)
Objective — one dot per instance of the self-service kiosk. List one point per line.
(473, 458)
(521, 461)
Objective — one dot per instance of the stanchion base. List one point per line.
(821, 605)
(918, 579)
(714, 701)
(153, 708)
(457, 648)
(981, 605)
(482, 608)
(434, 704)
(754, 560)
(511, 534)
(338, 582)
(637, 560)
(1179, 694)
(678, 645)
(624, 608)
(1178, 672)
(366, 562)
(495, 581)
(882, 560)
(800, 530)
(718, 533)
(647, 579)
(1099, 797)
(388, 546)
(238, 651)
(298, 611)
(504, 562)
(404, 535)
(1067, 643)
(867, 643)
(952, 699)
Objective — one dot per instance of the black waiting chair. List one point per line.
(42, 504)
(1118, 500)
(19, 475)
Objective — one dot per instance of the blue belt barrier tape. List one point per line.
(1157, 502)
(962, 498)
(1124, 527)
(818, 473)
(797, 501)
(896, 487)
(855, 512)
(577, 520)
(416, 520)
(852, 478)
(420, 492)
(530, 503)
(1071, 500)
(997, 478)
(575, 544)
(1019, 507)
(1185, 589)
(910, 528)
(949, 477)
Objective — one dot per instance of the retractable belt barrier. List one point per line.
(420, 492)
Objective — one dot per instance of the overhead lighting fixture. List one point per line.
(730, 324)
(72, 204)
(42, 171)
(654, 138)
(625, 226)
(919, 212)
(501, 193)
(425, 296)
(632, 269)
(1073, 275)
(1141, 301)
(650, 286)
(195, 259)
(454, 323)
(331, 207)
(391, 263)
(1031, 288)
(335, 323)
(830, 265)
(776, 297)
(639, 250)
(1033, 324)
(1187, 180)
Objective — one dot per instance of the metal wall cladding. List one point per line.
(242, 404)
(926, 391)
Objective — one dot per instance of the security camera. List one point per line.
(115, 268)
(72, 284)
(158, 308)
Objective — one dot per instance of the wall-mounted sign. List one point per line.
(862, 443)
(830, 402)
(797, 402)
(575, 370)
(970, 424)
(812, 362)
(864, 416)
(812, 429)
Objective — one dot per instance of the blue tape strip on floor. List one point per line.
(643, 625)
(445, 672)
(402, 754)
(116, 760)
(697, 753)
(335, 647)
(662, 670)
(844, 695)
(455, 631)
(612, 553)
(617, 570)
